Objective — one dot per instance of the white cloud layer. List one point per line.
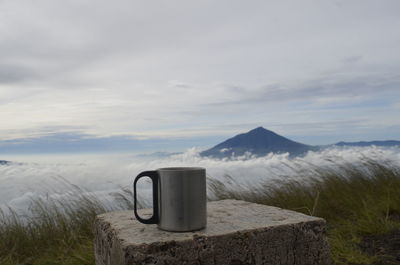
(183, 68)
(46, 176)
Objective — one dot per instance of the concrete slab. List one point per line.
(237, 232)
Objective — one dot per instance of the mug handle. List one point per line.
(154, 219)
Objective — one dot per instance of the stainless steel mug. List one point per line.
(179, 198)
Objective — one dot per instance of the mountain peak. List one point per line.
(261, 130)
(258, 141)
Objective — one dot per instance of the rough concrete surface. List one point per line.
(237, 232)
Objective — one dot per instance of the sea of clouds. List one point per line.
(27, 178)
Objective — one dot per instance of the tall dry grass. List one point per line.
(55, 231)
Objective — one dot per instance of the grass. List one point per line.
(355, 202)
(55, 231)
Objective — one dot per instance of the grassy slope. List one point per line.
(354, 203)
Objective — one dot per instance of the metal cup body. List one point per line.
(182, 199)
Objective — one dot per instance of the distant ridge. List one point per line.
(370, 143)
(4, 162)
(259, 142)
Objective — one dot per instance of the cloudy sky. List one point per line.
(165, 75)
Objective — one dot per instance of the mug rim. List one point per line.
(180, 168)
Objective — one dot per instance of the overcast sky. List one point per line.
(315, 71)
